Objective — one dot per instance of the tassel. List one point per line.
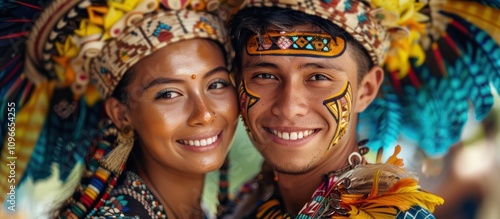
(115, 160)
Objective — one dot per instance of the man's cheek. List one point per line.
(340, 105)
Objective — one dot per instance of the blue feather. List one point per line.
(380, 122)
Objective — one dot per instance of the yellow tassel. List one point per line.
(115, 160)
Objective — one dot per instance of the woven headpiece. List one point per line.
(358, 18)
(77, 40)
(439, 56)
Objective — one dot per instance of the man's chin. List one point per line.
(289, 167)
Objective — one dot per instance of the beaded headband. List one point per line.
(296, 43)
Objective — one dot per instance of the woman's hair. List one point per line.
(120, 90)
(251, 21)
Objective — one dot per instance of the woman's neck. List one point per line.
(179, 193)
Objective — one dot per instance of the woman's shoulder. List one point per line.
(130, 199)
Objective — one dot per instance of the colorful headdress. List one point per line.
(439, 56)
(58, 56)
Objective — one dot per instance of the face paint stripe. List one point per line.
(247, 100)
(251, 98)
(339, 105)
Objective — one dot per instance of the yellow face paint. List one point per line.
(296, 43)
(247, 99)
(340, 105)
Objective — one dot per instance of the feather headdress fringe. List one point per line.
(373, 188)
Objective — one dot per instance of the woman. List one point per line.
(183, 119)
(161, 68)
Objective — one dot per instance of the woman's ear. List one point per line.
(368, 88)
(117, 112)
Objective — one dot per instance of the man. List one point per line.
(305, 69)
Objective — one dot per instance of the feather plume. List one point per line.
(403, 194)
(462, 61)
(381, 121)
(29, 124)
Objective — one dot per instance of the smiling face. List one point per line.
(298, 107)
(182, 107)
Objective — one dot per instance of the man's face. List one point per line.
(297, 107)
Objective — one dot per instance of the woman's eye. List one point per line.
(167, 94)
(317, 78)
(265, 76)
(218, 84)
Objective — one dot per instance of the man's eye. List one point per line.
(166, 94)
(317, 78)
(265, 76)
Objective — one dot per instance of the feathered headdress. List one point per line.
(60, 58)
(443, 58)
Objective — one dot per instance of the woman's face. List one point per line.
(182, 107)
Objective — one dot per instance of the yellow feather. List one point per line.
(485, 17)
(403, 195)
(29, 123)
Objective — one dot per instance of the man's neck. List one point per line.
(296, 190)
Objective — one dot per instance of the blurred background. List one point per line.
(466, 177)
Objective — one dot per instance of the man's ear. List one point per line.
(368, 88)
(118, 112)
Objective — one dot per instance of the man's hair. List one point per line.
(251, 21)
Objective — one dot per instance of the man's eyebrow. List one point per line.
(321, 65)
(257, 64)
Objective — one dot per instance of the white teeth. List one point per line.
(286, 136)
(201, 142)
(292, 135)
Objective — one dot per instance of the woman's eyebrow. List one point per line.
(161, 80)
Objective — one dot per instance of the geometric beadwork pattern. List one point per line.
(296, 43)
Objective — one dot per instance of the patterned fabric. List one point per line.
(356, 17)
(130, 199)
(149, 35)
(273, 209)
(296, 43)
